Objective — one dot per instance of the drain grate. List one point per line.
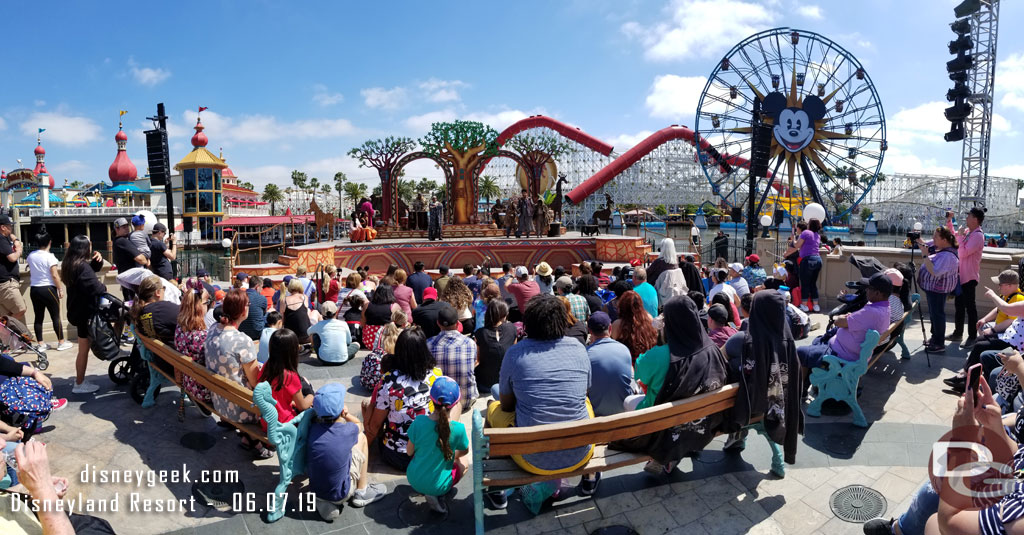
(857, 503)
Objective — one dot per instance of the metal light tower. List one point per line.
(983, 16)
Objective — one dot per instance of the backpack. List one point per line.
(24, 403)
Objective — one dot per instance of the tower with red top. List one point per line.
(122, 170)
(44, 178)
(201, 185)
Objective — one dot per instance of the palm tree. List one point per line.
(406, 190)
(339, 186)
(326, 190)
(488, 187)
(76, 184)
(273, 194)
(355, 191)
(314, 185)
(299, 180)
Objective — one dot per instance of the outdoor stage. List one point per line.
(566, 250)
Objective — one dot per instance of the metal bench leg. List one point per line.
(479, 452)
(181, 406)
(904, 351)
(814, 408)
(778, 466)
(858, 415)
(156, 380)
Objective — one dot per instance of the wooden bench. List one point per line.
(841, 379)
(288, 439)
(492, 466)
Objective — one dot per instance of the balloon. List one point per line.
(766, 221)
(918, 226)
(226, 243)
(814, 211)
(150, 220)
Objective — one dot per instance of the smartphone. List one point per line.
(973, 378)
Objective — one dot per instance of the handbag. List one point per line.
(102, 339)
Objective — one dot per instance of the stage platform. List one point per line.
(570, 248)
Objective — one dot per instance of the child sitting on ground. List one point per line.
(338, 456)
(274, 322)
(437, 445)
(281, 371)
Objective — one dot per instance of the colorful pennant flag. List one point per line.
(41, 130)
(203, 108)
(122, 113)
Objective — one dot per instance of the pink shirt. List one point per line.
(969, 252)
(404, 297)
(846, 343)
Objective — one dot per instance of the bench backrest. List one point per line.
(222, 386)
(553, 437)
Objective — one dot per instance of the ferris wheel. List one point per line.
(816, 113)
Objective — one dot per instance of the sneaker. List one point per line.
(817, 308)
(658, 469)
(437, 504)
(127, 339)
(496, 499)
(57, 404)
(968, 343)
(588, 487)
(329, 511)
(955, 337)
(935, 348)
(64, 346)
(804, 308)
(43, 346)
(957, 381)
(372, 493)
(85, 388)
(878, 526)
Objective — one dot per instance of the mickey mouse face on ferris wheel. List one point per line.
(793, 127)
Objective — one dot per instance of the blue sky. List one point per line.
(295, 85)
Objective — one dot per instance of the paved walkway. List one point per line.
(714, 493)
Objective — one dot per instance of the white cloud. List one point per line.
(61, 128)
(1009, 171)
(497, 120)
(39, 103)
(1002, 125)
(324, 97)
(624, 142)
(69, 169)
(1010, 81)
(907, 161)
(699, 28)
(262, 128)
(924, 122)
(442, 90)
(147, 76)
(421, 123)
(385, 99)
(810, 11)
(3, 124)
(675, 97)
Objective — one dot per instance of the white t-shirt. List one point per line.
(39, 263)
(727, 289)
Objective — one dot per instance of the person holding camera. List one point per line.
(972, 241)
(162, 254)
(938, 279)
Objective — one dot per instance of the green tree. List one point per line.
(326, 190)
(462, 144)
(537, 150)
(339, 185)
(314, 186)
(406, 190)
(355, 191)
(77, 184)
(273, 194)
(661, 210)
(382, 155)
(865, 213)
(488, 187)
(299, 180)
(426, 187)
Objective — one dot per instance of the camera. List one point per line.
(914, 236)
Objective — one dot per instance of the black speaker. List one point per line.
(737, 214)
(761, 150)
(779, 214)
(187, 224)
(157, 154)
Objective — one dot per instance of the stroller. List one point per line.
(113, 311)
(15, 339)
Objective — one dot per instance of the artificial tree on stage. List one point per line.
(382, 155)
(462, 145)
(539, 153)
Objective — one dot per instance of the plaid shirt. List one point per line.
(578, 305)
(456, 356)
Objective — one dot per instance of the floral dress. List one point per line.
(226, 351)
(404, 399)
(192, 344)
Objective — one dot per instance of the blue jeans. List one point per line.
(924, 505)
(937, 317)
(810, 356)
(810, 266)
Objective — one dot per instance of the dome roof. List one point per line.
(40, 149)
(227, 172)
(122, 170)
(199, 139)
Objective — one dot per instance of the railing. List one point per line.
(97, 210)
(234, 211)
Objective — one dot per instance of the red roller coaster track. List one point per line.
(623, 162)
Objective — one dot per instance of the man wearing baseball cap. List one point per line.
(161, 255)
(753, 272)
(992, 330)
(736, 279)
(425, 315)
(332, 339)
(11, 301)
(524, 288)
(338, 456)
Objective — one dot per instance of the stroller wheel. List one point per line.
(138, 387)
(120, 370)
(42, 363)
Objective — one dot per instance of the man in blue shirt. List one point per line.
(253, 324)
(471, 280)
(332, 339)
(418, 281)
(611, 368)
(646, 291)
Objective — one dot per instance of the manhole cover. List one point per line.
(198, 441)
(841, 444)
(857, 503)
(217, 495)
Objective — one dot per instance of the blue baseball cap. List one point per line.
(329, 401)
(241, 276)
(445, 391)
(138, 220)
(287, 279)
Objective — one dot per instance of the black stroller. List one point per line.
(15, 339)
